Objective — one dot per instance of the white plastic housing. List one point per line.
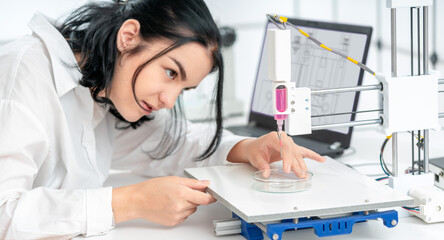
(408, 3)
(404, 183)
(431, 209)
(279, 55)
(299, 120)
(298, 110)
(409, 103)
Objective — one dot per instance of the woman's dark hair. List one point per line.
(92, 29)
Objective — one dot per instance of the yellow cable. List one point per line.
(325, 47)
(352, 60)
(284, 20)
(304, 33)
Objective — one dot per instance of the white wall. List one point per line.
(15, 15)
(248, 18)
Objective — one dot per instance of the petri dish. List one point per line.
(281, 182)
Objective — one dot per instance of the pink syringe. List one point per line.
(281, 106)
(279, 73)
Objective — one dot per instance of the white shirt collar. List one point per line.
(64, 64)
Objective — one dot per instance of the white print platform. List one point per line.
(336, 189)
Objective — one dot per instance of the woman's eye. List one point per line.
(171, 73)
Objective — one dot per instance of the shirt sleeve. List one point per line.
(28, 212)
(133, 148)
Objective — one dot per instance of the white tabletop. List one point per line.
(200, 226)
(366, 143)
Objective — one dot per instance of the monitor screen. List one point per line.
(317, 68)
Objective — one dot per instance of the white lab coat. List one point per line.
(57, 146)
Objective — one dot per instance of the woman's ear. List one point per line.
(128, 36)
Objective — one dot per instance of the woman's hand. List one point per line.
(260, 152)
(166, 200)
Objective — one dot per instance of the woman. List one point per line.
(91, 94)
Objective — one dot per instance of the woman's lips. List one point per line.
(147, 107)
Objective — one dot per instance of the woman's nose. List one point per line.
(168, 98)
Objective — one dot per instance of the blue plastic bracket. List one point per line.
(249, 231)
(322, 227)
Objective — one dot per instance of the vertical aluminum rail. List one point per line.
(412, 73)
(379, 35)
(426, 71)
(394, 74)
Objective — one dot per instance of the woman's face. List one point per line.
(161, 81)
